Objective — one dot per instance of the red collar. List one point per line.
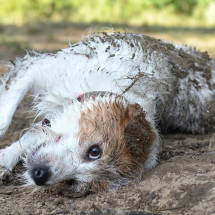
(81, 97)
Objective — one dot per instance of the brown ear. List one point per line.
(138, 134)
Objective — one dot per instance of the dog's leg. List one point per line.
(14, 87)
(11, 155)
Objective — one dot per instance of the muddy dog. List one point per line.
(101, 102)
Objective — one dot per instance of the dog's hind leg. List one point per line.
(12, 90)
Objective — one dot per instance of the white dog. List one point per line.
(101, 101)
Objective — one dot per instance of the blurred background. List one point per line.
(46, 25)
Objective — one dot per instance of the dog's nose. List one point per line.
(41, 175)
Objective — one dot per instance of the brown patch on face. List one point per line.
(124, 136)
(103, 124)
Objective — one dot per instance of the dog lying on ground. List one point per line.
(100, 102)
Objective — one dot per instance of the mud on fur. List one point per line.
(102, 102)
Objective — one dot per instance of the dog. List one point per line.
(102, 103)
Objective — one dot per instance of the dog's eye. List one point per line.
(95, 152)
(46, 122)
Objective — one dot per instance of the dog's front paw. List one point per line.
(6, 165)
(5, 176)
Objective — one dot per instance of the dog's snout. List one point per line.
(41, 175)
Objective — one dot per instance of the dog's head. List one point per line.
(100, 141)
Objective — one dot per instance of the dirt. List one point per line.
(182, 183)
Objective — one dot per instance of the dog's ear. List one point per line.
(138, 134)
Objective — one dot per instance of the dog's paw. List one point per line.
(5, 166)
(5, 176)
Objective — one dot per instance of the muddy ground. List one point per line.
(182, 183)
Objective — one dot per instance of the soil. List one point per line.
(182, 183)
